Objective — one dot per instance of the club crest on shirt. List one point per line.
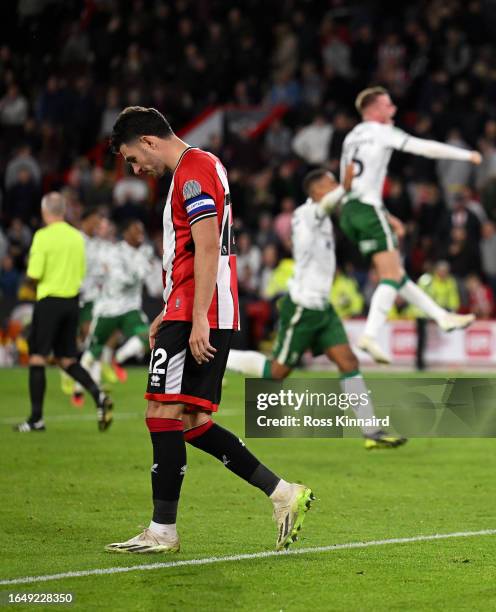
(191, 189)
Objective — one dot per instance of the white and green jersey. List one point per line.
(314, 256)
(95, 250)
(369, 146)
(126, 270)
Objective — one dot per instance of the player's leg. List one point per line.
(102, 329)
(167, 474)
(294, 331)
(446, 320)
(43, 326)
(368, 228)
(256, 365)
(85, 318)
(352, 381)
(290, 500)
(65, 350)
(135, 328)
(164, 421)
(332, 340)
(107, 357)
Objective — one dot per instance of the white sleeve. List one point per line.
(392, 136)
(331, 200)
(435, 150)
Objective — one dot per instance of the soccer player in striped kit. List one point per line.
(191, 337)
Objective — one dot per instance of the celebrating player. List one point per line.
(190, 339)
(366, 222)
(307, 319)
(119, 304)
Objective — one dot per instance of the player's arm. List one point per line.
(329, 202)
(396, 224)
(154, 329)
(206, 238)
(433, 149)
(36, 263)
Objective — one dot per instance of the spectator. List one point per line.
(10, 277)
(22, 198)
(453, 173)
(248, 261)
(265, 233)
(313, 141)
(488, 253)
(270, 259)
(345, 296)
(462, 254)
(480, 297)
(277, 142)
(22, 159)
(13, 108)
(283, 221)
(19, 237)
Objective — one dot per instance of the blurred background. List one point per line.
(269, 87)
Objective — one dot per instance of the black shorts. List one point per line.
(54, 327)
(174, 375)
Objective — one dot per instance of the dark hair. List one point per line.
(312, 177)
(136, 121)
(369, 96)
(89, 212)
(126, 223)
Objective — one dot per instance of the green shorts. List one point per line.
(368, 227)
(300, 329)
(86, 313)
(133, 323)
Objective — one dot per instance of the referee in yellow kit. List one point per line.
(57, 264)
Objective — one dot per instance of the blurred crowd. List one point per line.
(68, 67)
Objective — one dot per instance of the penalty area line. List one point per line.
(247, 556)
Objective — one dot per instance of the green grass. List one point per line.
(65, 493)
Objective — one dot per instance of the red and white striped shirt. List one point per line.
(199, 189)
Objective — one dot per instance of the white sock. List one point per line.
(413, 294)
(282, 491)
(163, 530)
(250, 363)
(365, 410)
(93, 366)
(95, 371)
(132, 348)
(106, 354)
(381, 304)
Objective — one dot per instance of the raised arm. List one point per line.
(439, 150)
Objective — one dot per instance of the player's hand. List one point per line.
(397, 225)
(199, 340)
(154, 329)
(476, 158)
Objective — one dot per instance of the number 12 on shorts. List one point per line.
(157, 358)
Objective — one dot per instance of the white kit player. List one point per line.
(366, 222)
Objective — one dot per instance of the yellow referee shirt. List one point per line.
(57, 261)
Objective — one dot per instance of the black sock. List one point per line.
(37, 385)
(169, 467)
(83, 377)
(229, 449)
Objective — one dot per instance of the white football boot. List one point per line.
(146, 542)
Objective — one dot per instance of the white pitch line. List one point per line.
(243, 557)
(61, 418)
(67, 418)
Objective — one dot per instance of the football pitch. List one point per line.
(366, 543)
